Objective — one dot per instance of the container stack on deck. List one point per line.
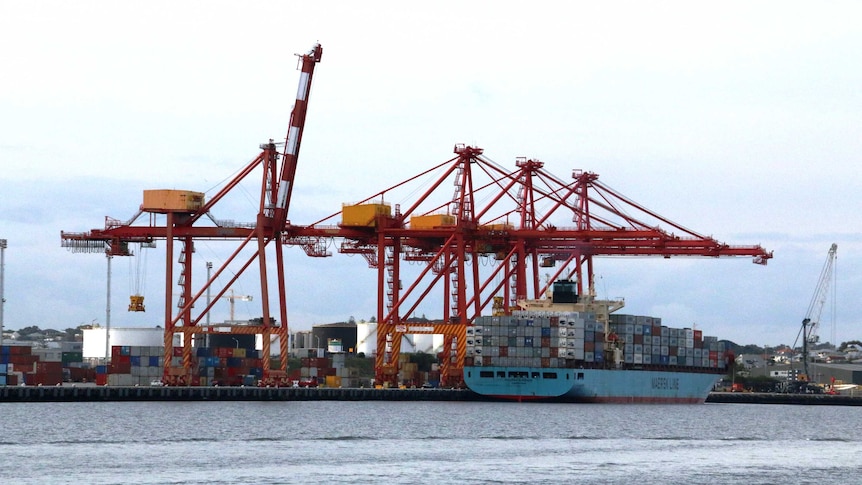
(646, 341)
(530, 340)
(568, 339)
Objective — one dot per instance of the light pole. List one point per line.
(206, 336)
(108, 313)
(209, 270)
(2, 295)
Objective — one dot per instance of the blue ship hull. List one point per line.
(590, 385)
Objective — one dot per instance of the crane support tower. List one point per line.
(811, 322)
(183, 213)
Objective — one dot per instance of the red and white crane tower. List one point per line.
(184, 222)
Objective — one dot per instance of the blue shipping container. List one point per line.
(136, 360)
(154, 361)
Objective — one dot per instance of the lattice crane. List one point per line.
(811, 322)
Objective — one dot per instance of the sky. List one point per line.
(738, 120)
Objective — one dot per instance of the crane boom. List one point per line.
(811, 322)
(290, 154)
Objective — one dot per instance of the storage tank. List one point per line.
(94, 339)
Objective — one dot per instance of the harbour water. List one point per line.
(427, 442)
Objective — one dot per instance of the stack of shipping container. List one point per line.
(226, 366)
(18, 364)
(646, 341)
(568, 339)
(524, 339)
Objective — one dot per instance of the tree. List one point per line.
(844, 345)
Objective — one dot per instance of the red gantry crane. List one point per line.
(511, 221)
(482, 244)
(188, 217)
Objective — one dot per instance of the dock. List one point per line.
(781, 398)
(93, 393)
(144, 393)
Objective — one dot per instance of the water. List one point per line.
(427, 442)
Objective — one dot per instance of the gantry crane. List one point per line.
(811, 322)
(522, 221)
(518, 229)
(188, 217)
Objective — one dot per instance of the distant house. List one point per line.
(750, 361)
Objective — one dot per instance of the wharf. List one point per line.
(780, 398)
(143, 393)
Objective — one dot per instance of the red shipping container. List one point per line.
(546, 341)
(504, 351)
(49, 367)
(12, 380)
(120, 368)
(115, 351)
(554, 352)
(24, 361)
(20, 350)
(43, 379)
(101, 379)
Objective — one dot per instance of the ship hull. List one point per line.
(590, 385)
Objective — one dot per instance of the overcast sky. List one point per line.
(739, 120)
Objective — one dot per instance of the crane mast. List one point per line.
(290, 155)
(811, 322)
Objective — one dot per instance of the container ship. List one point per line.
(573, 348)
